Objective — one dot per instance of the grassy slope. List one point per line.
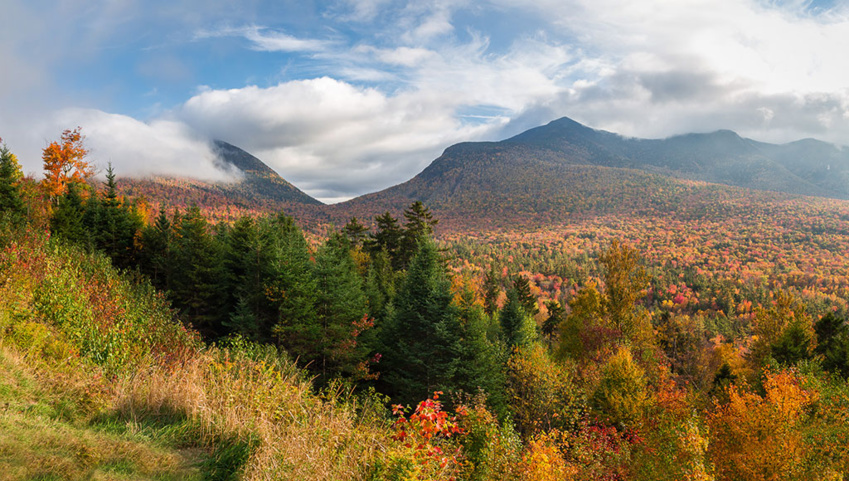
(98, 381)
(44, 434)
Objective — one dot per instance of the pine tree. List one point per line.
(197, 289)
(423, 337)
(66, 221)
(833, 343)
(292, 290)
(157, 249)
(113, 224)
(248, 269)
(523, 291)
(556, 315)
(341, 304)
(11, 204)
(492, 291)
(387, 237)
(355, 232)
(482, 361)
(516, 328)
(419, 224)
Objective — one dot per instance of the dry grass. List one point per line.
(267, 403)
(44, 435)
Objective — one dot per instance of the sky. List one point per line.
(347, 97)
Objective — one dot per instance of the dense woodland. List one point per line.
(642, 348)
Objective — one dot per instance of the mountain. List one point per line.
(565, 169)
(261, 182)
(259, 188)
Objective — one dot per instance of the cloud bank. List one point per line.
(351, 97)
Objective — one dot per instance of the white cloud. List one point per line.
(332, 139)
(161, 147)
(264, 39)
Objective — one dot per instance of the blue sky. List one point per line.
(347, 97)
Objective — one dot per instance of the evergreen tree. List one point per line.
(523, 291)
(833, 343)
(516, 328)
(341, 304)
(794, 345)
(492, 291)
(387, 237)
(556, 315)
(66, 221)
(157, 248)
(482, 361)
(11, 204)
(355, 232)
(419, 224)
(113, 224)
(197, 289)
(380, 287)
(423, 337)
(248, 269)
(292, 289)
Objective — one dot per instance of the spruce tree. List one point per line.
(248, 269)
(66, 221)
(157, 248)
(11, 205)
(492, 291)
(387, 236)
(523, 291)
(355, 232)
(422, 340)
(113, 224)
(517, 330)
(292, 290)
(340, 306)
(556, 315)
(419, 224)
(197, 289)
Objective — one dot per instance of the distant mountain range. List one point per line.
(562, 169)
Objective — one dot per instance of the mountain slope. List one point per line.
(259, 188)
(565, 169)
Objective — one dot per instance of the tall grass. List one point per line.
(111, 344)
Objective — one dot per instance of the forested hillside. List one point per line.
(625, 343)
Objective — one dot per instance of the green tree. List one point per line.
(355, 232)
(197, 287)
(292, 290)
(833, 343)
(419, 223)
(387, 237)
(66, 221)
(523, 291)
(11, 203)
(341, 306)
(556, 316)
(113, 224)
(423, 337)
(157, 250)
(516, 328)
(247, 260)
(492, 291)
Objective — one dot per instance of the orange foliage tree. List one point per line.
(64, 162)
(760, 437)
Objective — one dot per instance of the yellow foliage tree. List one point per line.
(759, 438)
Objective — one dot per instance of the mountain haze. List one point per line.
(258, 187)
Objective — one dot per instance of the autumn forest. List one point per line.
(630, 326)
